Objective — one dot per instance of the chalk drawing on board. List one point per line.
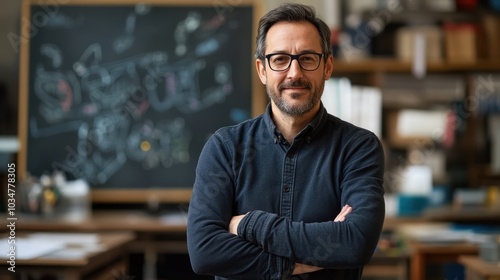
(165, 143)
(135, 98)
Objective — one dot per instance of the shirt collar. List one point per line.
(308, 132)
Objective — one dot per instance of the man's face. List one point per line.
(294, 91)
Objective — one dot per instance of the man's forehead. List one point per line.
(290, 32)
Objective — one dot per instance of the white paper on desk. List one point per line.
(71, 253)
(444, 235)
(68, 238)
(29, 248)
(173, 219)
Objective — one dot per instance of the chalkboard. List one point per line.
(125, 96)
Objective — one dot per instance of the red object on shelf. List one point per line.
(466, 4)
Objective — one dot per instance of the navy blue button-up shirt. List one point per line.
(290, 194)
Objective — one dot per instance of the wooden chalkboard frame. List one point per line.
(170, 195)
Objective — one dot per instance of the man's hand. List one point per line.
(304, 268)
(343, 213)
(233, 224)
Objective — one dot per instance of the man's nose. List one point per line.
(295, 70)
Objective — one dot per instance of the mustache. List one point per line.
(295, 83)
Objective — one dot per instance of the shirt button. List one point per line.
(290, 155)
(286, 189)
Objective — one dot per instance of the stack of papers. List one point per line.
(50, 245)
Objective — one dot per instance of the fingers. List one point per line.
(343, 213)
(304, 268)
(233, 224)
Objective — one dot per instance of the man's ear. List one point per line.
(261, 70)
(328, 67)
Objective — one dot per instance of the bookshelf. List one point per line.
(393, 65)
(470, 153)
(377, 72)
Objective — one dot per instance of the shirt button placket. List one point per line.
(287, 190)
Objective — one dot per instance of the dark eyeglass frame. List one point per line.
(292, 57)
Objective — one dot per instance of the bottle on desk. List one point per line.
(50, 194)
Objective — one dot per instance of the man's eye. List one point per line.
(307, 58)
(280, 59)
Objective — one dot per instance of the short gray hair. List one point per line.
(291, 12)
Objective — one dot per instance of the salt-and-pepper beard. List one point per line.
(305, 107)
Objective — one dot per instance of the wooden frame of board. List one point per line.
(170, 195)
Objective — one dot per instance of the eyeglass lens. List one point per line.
(307, 61)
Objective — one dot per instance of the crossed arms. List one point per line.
(299, 268)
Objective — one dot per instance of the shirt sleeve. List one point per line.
(212, 249)
(331, 244)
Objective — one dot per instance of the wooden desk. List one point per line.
(155, 234)
(422, 254)
(137, 221)
(477, 269)
(384, 266)
(109, 262)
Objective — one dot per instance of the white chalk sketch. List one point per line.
(165, 143)
(106, 103)
(184, 28)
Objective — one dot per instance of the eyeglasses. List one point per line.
(282, 61)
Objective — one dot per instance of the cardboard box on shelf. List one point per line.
(462, 43)
(409, 128)
(491, 26)
(406, 40)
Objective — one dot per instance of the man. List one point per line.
(295, 193)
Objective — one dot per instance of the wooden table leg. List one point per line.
(150, 256)
(417, 266)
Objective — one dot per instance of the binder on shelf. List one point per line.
(359, 105)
